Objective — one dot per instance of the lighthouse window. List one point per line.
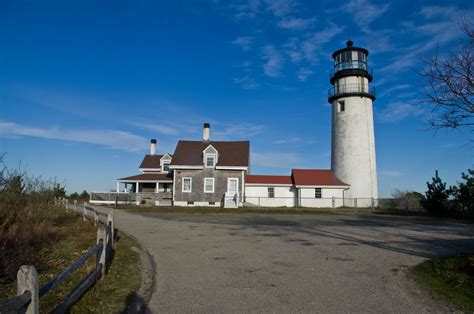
(342, 106)
(318, 193)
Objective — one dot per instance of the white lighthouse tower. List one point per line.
(353, 142)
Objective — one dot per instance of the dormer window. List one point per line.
(210, 160)
(166, 166)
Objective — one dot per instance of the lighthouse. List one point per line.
(353, 141)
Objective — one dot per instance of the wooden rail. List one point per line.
(28, 290)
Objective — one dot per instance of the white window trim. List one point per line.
(190, 185)
(268, 192)
(213, 181)
(214, 155)
(321, 193)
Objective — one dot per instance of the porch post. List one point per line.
(157, 188)
(136, 188)
(118, 186)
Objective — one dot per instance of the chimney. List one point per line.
(206, 132)
(153, 147)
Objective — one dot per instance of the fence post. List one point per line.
(96, 218)
(84, 213)
(27, 280)
(355, 204)
(75, 205)
(333, 202)
(110, 222)
(373, 204)
(102, 235)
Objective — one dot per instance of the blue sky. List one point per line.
(84, 85)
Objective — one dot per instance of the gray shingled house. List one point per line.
(210, 173)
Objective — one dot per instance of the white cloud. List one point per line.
(246, 82)
(295, 23)
(237, 131)
(114, 139)
(436, 11)
(391, 173)
(304, 73)
(397, 111)
(274, 61)
(364, 12)
(311, 46)
(156, 127)
(281, 8)
(245, 42)
(275, 159)
(394, 88)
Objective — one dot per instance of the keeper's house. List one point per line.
(217, 173)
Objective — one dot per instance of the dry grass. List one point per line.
(73, 237)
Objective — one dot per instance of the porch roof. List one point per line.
(154, 177)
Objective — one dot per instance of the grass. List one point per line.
(75, 238)
(449, 278)
(240, 210)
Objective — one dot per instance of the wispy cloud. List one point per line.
(391, 173)
(237, 131)
(281, 8)
(245, 42)
(114, 139)
(365, 12)
(304, 73)
(312, 45)
(278, 159)
(273, 61)
(397, 111)
(246, 82)
(156, 127)
(295, 23)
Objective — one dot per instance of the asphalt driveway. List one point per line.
(291, 263)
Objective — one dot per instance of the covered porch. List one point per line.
(154, 188)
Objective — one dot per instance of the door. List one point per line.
(232, 186)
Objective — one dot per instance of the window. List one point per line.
(318, 193)
(342, 106)
(187, 185)
(166, 166)
(212, 203)
(271, 192)
(208, 185)
(210, 160)
(190, 202)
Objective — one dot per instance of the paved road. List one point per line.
(291, 263)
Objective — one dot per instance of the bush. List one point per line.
(27, 211)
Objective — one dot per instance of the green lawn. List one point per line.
(450, 278)
(109, 295)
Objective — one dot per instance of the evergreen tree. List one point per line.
(435, 200)
(464, 194)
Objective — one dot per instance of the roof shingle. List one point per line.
(189, 153)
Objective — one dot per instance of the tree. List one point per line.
(59, 191)
(449, 87)
(84, 195)
(435, 200)
(464, 194)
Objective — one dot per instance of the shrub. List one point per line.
(27, 211)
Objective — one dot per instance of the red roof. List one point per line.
(256, 179)
(315, 177)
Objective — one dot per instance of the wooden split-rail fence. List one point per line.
(28, 291)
